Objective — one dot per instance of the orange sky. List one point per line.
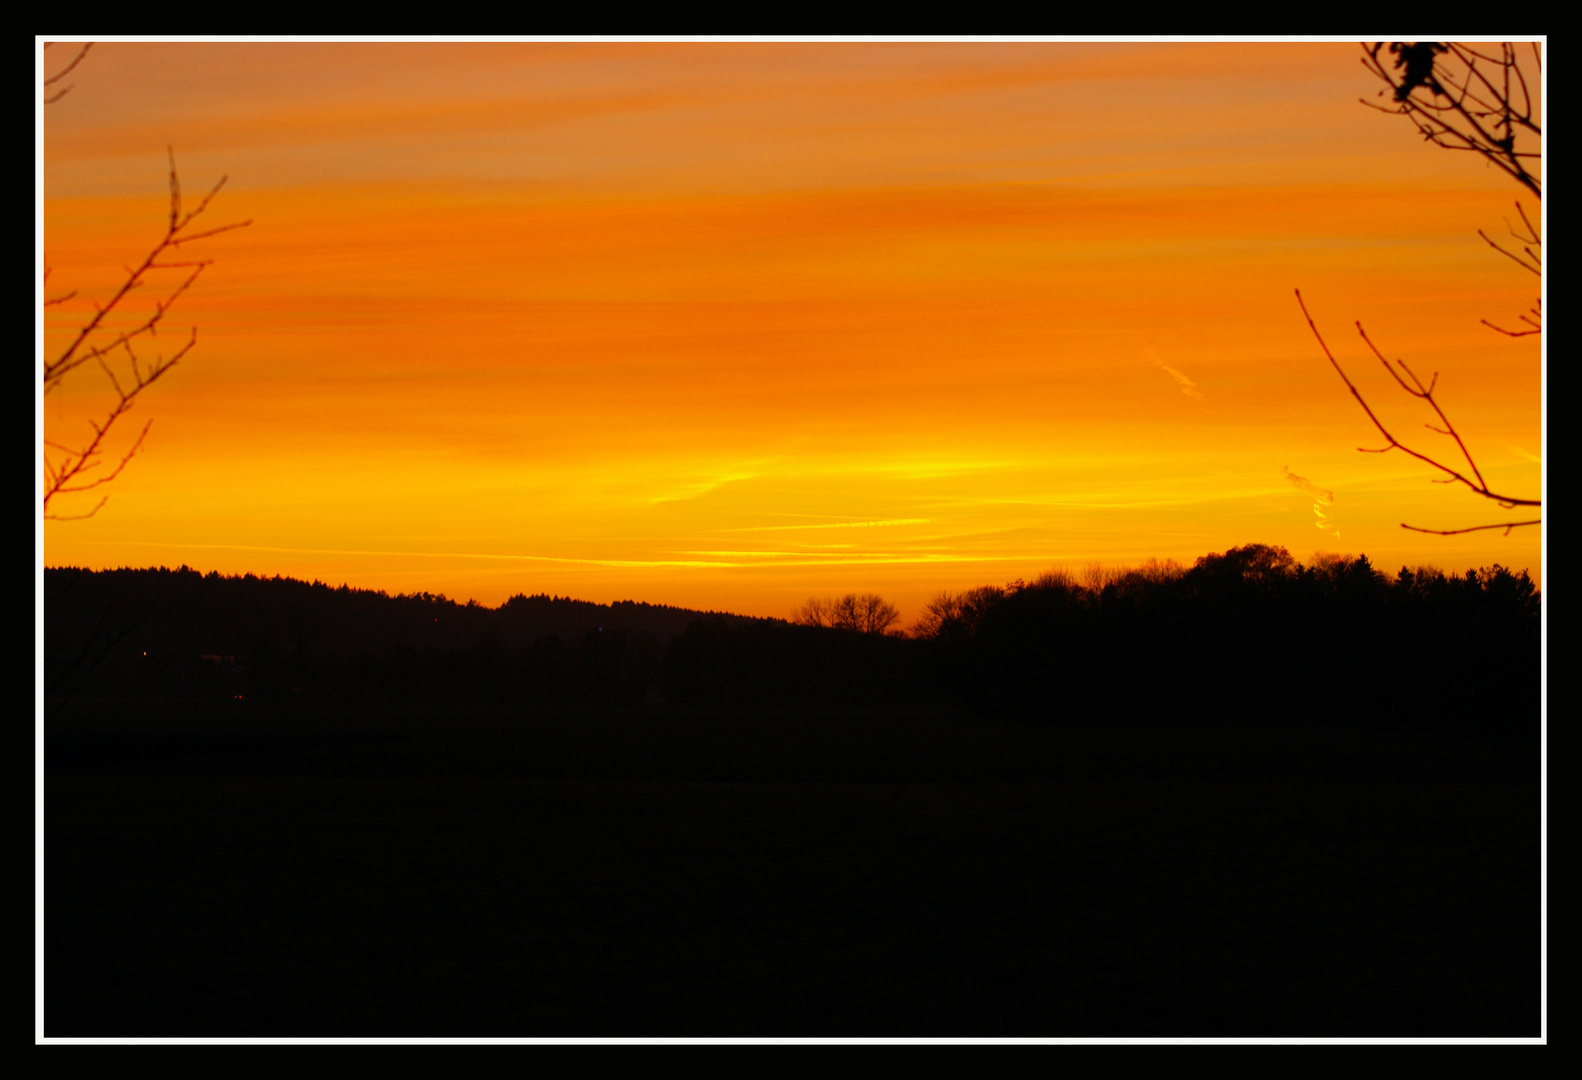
(728, 325)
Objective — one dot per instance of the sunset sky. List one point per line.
(727, 325)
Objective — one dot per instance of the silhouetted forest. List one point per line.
(1248, 634)
(180, 634)
(1251, 633)
(1242, 798)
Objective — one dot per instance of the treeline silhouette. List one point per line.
(1250, 633)
(1244, 635)
(162, 633)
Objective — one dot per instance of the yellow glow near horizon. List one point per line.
(728, 325)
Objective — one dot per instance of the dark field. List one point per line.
(664, 874)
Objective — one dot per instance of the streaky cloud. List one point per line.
(1322, 497)
(834, 525)
(1188, 386)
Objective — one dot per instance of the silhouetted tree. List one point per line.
(818, 611)
(109, 342)
(1478, 100)
(1260, 567)
(867, 613)
(952, 615)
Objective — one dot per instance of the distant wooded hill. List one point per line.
(1244, 635)
(179, 634)
(184, 610)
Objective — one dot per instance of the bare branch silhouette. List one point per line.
(66, 468)
(1529, 259)
(1462, 98)
(1416, 389)
(868, 613)
(63, 72)
(1506, 525)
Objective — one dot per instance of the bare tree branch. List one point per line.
(1462, 98)
(65, 470)
(1533, 319)
(1416, 389)
(867, 614)
(1506, 525)
(1530, 263)
(63, 72)
(1529, 260)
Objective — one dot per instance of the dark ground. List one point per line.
(662, 874)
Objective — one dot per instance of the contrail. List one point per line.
(1188, 387)
(1322, 498)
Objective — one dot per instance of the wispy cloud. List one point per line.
(431, 554)
(699, 488)
(1188, 387)
(833, 525)
(1322, 498)
(710, 559)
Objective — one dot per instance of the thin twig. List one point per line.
(1416, 389)
(1531, 261)
(1427, 394)
(63, 72)
(1532, 267)
(1506, 525)
(66, 470)
(1535, 326)
(1450, 98)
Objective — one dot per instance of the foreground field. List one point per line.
(654, 874)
